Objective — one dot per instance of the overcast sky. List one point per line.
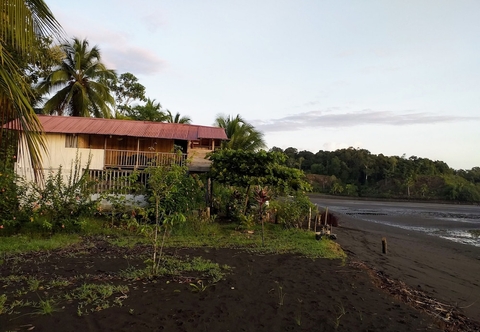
(393, 77)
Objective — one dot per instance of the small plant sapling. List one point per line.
(262, 196)
(199, 286)
(298, 314)
(280, 293)
(167, 185)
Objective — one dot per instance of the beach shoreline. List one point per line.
(444, 269)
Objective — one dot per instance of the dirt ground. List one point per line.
(259, 293)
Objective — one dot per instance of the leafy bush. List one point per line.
(176, 190)
(9, 192)
(172, 193)
(58, 203)
(229, 201)
(292, 211)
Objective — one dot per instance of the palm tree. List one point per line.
(241, 134)
(23, 23)
(151, 111)
(177, 118)
(80, 83)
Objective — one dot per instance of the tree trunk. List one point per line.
(155, 238)
(246, 200)
(161, 249)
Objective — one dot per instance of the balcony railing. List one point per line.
(128, 159)
(118, 182)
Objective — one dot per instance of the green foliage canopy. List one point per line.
(151, 111)
(246, 168)
(80, 84)
(126, 90)
(22, 25)
(241, 134)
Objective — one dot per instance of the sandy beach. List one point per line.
(447, 270)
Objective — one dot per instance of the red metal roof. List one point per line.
(96, 126)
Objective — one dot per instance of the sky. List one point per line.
(394, 77)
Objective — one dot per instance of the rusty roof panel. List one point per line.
(211, 132)
(79, 125)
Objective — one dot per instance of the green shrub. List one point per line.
(292, 211)
(57, 204)
(229, 201)
(9, 193)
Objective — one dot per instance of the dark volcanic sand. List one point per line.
(446, 270)
(319, 295)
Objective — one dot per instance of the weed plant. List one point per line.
(45, 307)
(57, 204)
(97, 296)
(9, 193)
(3, 303)
(199, 287)
(280, 294)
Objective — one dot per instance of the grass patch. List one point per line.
(3, 302)
(126, 241)
(172, 266)
(95, 297)
(45, 307)
(277, 239)
(25, 243)
(193, 233)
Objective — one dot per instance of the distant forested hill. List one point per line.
(357, 172)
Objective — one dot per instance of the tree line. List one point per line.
(357, 172)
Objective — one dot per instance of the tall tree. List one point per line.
(151, 111)
(241, 134)
(248, 168)
(80, 84)
(177, 118)
(126, 90)
(23, 23)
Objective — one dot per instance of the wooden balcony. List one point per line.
(130, 159)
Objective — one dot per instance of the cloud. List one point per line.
(345, 54)
(327, 119)
(153, 21)
(133, 59)
(383, 52)
(379, 69)
(117, 50)
(311, 103)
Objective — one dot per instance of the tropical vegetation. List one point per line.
(150, 111)
(177, 118)
(241, 134)
(23, 26)
(126, 90)
(80, 84)
(357, 172)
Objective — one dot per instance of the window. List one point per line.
(71, 141)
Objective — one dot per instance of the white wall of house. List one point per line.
(59, 155)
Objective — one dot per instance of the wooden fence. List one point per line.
(119, 181)
(130, 159)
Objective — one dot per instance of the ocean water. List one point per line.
(458, 226)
